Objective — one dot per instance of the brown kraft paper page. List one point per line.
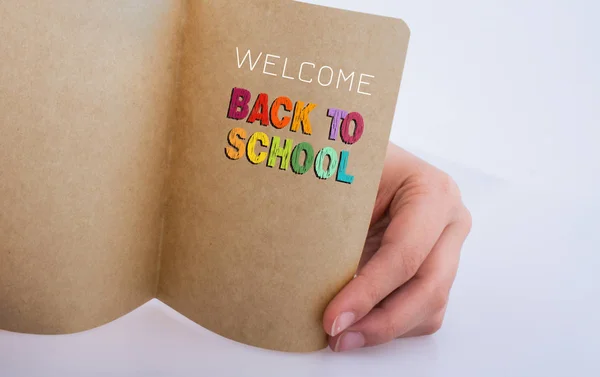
(251, 252)
(86, 91)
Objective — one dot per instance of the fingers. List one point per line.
(400, 314)
(406, 243)
(416, 308)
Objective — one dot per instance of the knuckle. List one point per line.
(440, 300)
(436, 183)
(445, 186)
(438, 297)
(433, 326)
(467, 219)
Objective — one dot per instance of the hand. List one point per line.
(409, 261)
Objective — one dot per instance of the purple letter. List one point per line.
(337, 115)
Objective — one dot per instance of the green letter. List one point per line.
(297, 167)
(276, 151)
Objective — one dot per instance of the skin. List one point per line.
(409, 261)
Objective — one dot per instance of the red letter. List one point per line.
(358, 130)
(287, 105)
(238, 106)
(260, 111)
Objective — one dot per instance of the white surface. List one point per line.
(507, 90)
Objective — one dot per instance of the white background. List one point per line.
(509, 87)
(504, 96)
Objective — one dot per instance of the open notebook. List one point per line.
(222, 156)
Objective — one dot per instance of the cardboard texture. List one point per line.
(238, 168)
(86, 91)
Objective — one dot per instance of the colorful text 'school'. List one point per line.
(260, 148)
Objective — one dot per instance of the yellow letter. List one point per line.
(264, 141)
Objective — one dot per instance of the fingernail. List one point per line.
(342, 322)
(349, 341)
